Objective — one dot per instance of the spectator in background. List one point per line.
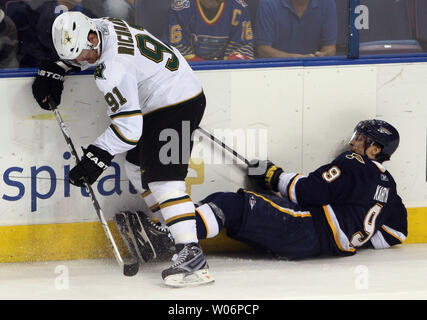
(121, 9)
(8, 43)
(211, 29)
(35, 27)
(296, 28)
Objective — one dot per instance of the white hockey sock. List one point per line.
(177, 209)
(153, 207)
(133, 172)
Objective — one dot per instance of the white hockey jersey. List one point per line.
(138, 74)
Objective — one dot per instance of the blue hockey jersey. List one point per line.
(227, 35)
(353, 202)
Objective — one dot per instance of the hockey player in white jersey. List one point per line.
(148, 87)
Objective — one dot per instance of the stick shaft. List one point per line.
(223, 145)
(95, 202)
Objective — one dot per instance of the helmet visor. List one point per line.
(360, 137)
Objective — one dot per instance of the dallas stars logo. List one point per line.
(67, 38)
(99, 72)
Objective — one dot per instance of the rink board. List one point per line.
(300, 117)
(87, 240)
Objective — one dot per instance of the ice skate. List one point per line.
(144, 239)
(157, 237)
(189, 269)
(122, 224)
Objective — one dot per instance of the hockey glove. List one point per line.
(265, 174)
(49, 82)
(93, 164)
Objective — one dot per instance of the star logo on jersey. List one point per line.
(67, 38)
(99, 72)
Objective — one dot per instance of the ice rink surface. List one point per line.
(396, 273)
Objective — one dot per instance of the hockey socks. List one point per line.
(154, 212)
(209, 223)
(177, 210)
(217, 211)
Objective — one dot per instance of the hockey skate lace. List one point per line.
(161, 228)
(179, 258)
(158, 226)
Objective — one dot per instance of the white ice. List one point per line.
(396, 273)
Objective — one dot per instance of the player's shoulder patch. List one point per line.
(242, 3)
(350, 159)
(99, 72)
(179, 5)
(104, 30)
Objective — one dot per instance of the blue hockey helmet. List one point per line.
(381, 133)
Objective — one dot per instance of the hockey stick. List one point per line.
(223, 145)
(129, 268)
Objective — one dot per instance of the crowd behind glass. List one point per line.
(208, 30)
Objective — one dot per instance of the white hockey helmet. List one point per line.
(70, 32)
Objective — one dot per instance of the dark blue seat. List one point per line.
(390, 28)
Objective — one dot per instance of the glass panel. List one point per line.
(207, 30)
(342, 26)
(389, 27)
(30, 23)
(246, 29)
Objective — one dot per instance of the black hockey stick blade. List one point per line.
(130, 269)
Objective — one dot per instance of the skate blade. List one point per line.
(196, 278)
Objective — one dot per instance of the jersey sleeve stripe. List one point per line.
(394, 233)
(122, 137)
(296, 214)
(378, 241)
(126, 114)
(291, 189)
(386, 237)
(340, 237)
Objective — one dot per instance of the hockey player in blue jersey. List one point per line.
(347, 204)
(211, 29)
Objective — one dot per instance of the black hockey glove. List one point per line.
(94, 162)
(49, 82)
(265, 174)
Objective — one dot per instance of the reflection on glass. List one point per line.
(296, 29)
(210, 29)
(387, 26)
(8, 42)
(33, 20)
(207, 30)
